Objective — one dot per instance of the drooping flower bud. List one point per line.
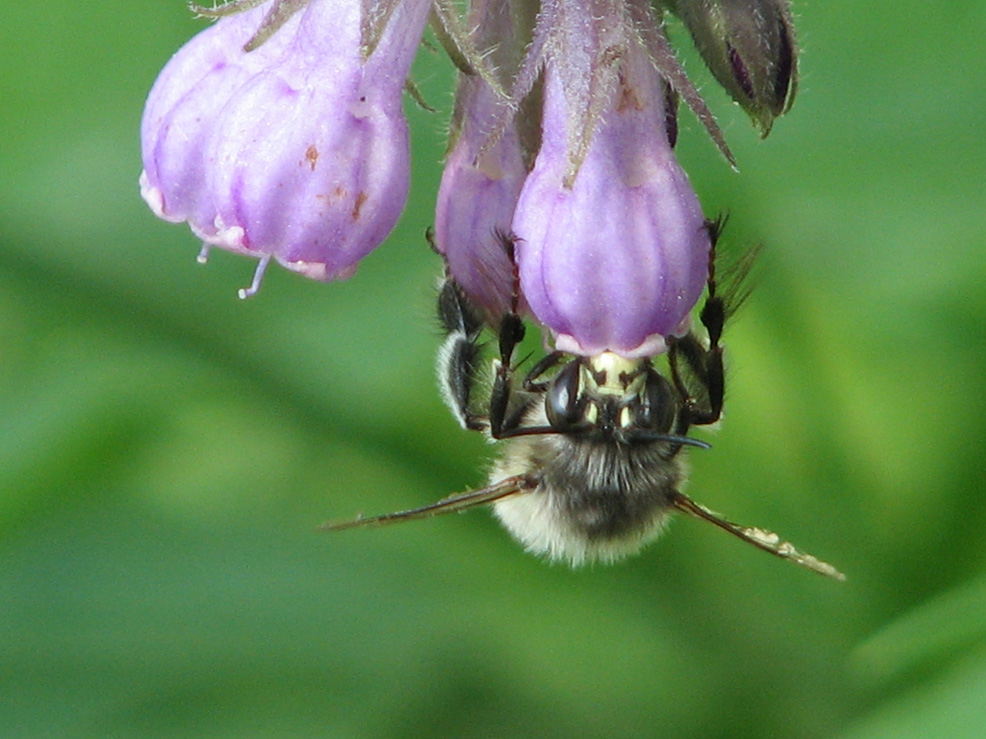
(482, 177)
(297, 150)
(182, 109)
(616, 258)
(750, 47)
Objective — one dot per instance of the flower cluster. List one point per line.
(279, 132)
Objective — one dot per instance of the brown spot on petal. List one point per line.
(358, 205)
(629, 101)
(337, 194)
(311, 156)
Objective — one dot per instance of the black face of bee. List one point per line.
(591, 464)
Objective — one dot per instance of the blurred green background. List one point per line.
(167, 451)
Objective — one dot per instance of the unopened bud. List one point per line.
(750, 47)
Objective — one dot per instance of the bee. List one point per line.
(592, 461)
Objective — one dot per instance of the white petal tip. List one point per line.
(319, 270)
(152, 196)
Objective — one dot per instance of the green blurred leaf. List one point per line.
(948, 626)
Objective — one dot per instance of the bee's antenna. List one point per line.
(451, 504)
(641, 435)
(760, 538)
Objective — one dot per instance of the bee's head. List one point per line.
(612, 397)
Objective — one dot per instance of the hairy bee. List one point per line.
(592, 446)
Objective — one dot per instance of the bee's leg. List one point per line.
(546, 363)
(503, 417)
(696, 370)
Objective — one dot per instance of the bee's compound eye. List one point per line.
(563, 403)
(655, 409)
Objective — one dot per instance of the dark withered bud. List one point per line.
(750, 47)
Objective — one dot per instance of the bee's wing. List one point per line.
(760, 538)
(451, 504)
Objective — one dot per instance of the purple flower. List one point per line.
(610, 241)
(279, 133)
(296, 150)
(483, 174)
(612, 245)
(181, 110)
